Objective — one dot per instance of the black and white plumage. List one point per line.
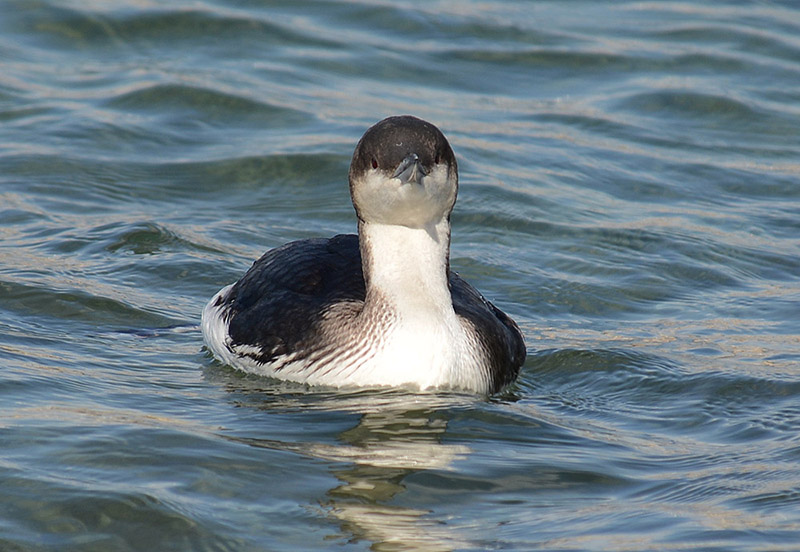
(380, 308)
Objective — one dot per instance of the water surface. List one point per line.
(629, 194)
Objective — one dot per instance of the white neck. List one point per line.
(408, 267)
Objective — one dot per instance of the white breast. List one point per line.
(407, 334)
(412, 350)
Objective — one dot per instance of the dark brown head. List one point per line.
(403, 172)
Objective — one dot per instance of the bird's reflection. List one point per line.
(385, 447)
(397, 434)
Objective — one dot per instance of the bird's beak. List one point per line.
(410, 169)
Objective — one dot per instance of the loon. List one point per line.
(381, 308)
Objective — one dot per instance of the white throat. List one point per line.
(406, 273)
(408, 267)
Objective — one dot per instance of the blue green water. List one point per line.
(630, 194)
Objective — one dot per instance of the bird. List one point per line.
(377, 309)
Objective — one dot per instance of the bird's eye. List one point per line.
(436, 159)
(374, 163)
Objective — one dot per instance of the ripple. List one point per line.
(211, 106)
(74, 305)
(736, 38)
(124, 27)
(553, 59)
(694, 107)
(145, 239)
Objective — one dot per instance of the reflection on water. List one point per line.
(382, 450)
(396, 435)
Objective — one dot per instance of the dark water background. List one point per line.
(630, 194)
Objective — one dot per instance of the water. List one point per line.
(629, 194)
